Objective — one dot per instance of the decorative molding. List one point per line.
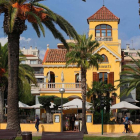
(59, 66)
(118, 59)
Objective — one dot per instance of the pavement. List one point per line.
(98, 134)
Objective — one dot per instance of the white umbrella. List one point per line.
(124, 105)
(22, 105)
(37, 106)
(62, 76)
(75, 104)
(131, 100)
(79, 76)
(49, 77)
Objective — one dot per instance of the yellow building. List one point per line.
(103, 25)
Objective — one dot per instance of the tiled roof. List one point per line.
(29, 55)
(56, 55)
(103, 14)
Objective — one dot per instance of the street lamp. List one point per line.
(61, 90)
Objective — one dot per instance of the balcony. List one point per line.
(105, 38)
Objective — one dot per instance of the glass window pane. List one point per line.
(103, 26)
(100, 77)
(97, 32)
(108, 32)
(109, 27)
(98, 27)
(103, 58)
(103, 32)
(105, 78)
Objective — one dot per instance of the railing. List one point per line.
(103, 38)
(60, 85)
(38, 72)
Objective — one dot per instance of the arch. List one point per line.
(103, 30)
(105, 58)
(52, 80)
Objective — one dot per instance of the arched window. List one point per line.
(105, 59)
(103, 30)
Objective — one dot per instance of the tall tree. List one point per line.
(16, 12)
(130, 77)
(25, 77)
(81, 53)
(3, 78)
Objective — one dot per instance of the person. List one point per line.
(130, 126)
(67, 124)
(37, 123)
(72, 121)
(126, 123)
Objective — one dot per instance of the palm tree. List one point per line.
(25, 76)
(16, 12)
(130, 77)
(81, 54)
(101, 89)
(3, 78)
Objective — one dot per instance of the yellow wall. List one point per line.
(55, 127)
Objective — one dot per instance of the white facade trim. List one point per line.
(54, 66)
(118, 59)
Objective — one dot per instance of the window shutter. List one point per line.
(113, 103)
(111, 78)
(95, 76)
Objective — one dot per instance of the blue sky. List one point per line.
(77, 12)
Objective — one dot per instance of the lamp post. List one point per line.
(61, 90)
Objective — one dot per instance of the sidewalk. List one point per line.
(97, 134)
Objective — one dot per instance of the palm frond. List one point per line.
(38, 21)
(36, 28)
(13, 14)
(49, 24)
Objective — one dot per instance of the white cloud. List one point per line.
(3, 40)
(24, 39)
(135, 44)
(42, 53)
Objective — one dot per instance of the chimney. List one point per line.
(47, 46)
(127, 46)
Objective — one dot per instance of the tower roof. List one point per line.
(103, 14)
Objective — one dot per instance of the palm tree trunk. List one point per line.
(1, 105)
(83, 86)
(13, 63)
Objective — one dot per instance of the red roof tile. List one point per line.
(30, 55)
(104, 14)
(45, 56)
(56, 55)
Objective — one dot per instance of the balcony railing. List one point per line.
(38, 72)
(57, 85)
(105, 38)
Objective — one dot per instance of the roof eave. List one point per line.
(88, 20)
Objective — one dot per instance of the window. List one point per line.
(33, 62)
(103, 77)
(23, 62)
(103, 30)
(34, 53)
(105, 59)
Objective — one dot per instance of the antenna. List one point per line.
(132, 44)
(103, 3)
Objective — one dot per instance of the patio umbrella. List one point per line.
(79, 76)
(75, 104)
(37, 106)
(49, 77)
(131, 100)
(124, 105)
(62, 76)
(22, 105)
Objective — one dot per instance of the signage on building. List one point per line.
(105, 66)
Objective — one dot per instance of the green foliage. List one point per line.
(45, 100)
(82, 53)
(57, 101)
(49, 21)
(130, 77)
(97, 118)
